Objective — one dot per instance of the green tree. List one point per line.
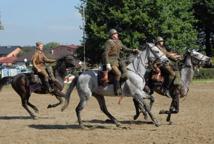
(204, 12)
(51, 45)
(138, 22)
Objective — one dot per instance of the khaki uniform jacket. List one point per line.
(112, 51)
(170, 55)
(39, 59)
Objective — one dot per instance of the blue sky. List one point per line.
(28, 21)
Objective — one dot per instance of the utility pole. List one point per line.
(1, 26)
(83, 28)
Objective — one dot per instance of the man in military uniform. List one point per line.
(39, 60)
(113, 47)
(168, 67)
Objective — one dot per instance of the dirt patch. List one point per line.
(193, 124)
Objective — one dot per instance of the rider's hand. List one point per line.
(108, 67)
(39, 70)
(136, 51)
(179, 57)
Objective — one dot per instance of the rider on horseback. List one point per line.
(168, 67)
(39, 61)
(113, 47)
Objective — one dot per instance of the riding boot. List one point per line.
(47, 85)
(166, 92)
(117, 89)
(165, 89)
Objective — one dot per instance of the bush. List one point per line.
(204, 73)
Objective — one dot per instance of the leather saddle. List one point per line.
(105, 78)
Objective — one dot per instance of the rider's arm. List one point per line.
(34, 58)
(47, 60)
(125, 48)
(173, 56)
(107, 47)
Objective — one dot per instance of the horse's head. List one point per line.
(154, 53)
(68, 61)
(198, 59)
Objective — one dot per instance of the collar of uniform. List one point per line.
(40, 51)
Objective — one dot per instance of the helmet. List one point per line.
(112, 31)
(159, 39)
(39, 43)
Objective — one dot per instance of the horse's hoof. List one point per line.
(49, 106)
(36, 111)
(62, 109)
(81, 126)
(136, 116)
(109, 121)
(34, 117)
(118, 124)
(170, 122)
(168, 119)
(146, 117)
(162, 112)
(156, 123)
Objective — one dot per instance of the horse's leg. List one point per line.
(28, 94)
(142, 105)
(139, 110)
(24, 93)
(102, 104)
(174, 107)
(24, 104)
(79, 108)
(33, 107)
(56, 104)
(58, 94)
(136, 105)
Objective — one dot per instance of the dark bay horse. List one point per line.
(192, 60)
(24, 85)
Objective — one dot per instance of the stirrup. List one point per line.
(50, 90)
(167, 93)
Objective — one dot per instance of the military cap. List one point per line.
(112, 31)
(39, 43)
(159, 39)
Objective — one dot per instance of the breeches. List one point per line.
(44, 74)
(116, 72)
(123, 70)
(170, 70)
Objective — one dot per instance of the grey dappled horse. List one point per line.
(192, 59)
(87, 84)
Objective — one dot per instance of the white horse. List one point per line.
(87, 84)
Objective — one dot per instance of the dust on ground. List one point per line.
(193, 125)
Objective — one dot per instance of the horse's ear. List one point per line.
(189, 50)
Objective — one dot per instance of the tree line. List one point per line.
(184, 24)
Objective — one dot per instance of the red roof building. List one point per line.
(63, 50)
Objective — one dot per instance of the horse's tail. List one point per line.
(5, 81)
(68, 93)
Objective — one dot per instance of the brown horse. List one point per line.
(24, 84)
